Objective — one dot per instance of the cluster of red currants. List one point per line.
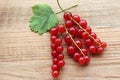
(57, 50)
(80, 41)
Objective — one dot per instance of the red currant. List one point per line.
(93, 35)
(104, 44)
(76, 56)
(53, 38)
(87, 59)
(60, 57)
(55, 74)
(54, 67)
(84, 35)
(72, 31)
(79, 43)
(53, 31)
(68, 23)
(59, 49)
(55, 61)
(71, 50)
(83, 23)
(76, 18)
(88, 42)
(61, 63)
(53, 46)
(61, 28)
(92, 49)
(85, 51)
(54, 53)
(67, 39)
(96, 42)
(100, 50)
(81, 60)
(88, 29)
(67, 15)
(58, 42)
(79, 32)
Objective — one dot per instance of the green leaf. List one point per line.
(43, 19)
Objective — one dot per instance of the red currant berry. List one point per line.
(88, 42)
(104, 44)
(96, 42)
(60, 57)
(71, 50)
(61, 28)
(79, 32)
(85, 51)
(72, 31)
(93, 35)
(88, 29)
(87, 59)
(100, 50)
(59, 49)
(67, 15)
(79, 43)
(53, 38)
(55, 61)
(67, 39)
(84, 35)
(53, 31)
(92, 49)
(58, 42)
(76, 56)
(81, 61)
(76, 18)
(68, 23)
(54, 53)
(61, 63)
(83, 23)
(55, 74)
(53, 46)
(54, 67)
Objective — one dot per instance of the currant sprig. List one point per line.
(76, 55)
(73, 29)
(85, 32)
(80, 40)
(83, 28)
(78, 36)
(57, 49)
(82, 56)
(74, 41)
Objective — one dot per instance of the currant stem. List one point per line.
(74, 42)
(67, 9)
(85, 30)
(60, 6)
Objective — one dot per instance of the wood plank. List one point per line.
(25, 55)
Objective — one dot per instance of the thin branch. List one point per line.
(67, 9)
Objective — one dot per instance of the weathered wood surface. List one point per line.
(25, 55)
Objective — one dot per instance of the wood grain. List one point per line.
(25, 55)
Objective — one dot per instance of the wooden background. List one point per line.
(25, 55)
